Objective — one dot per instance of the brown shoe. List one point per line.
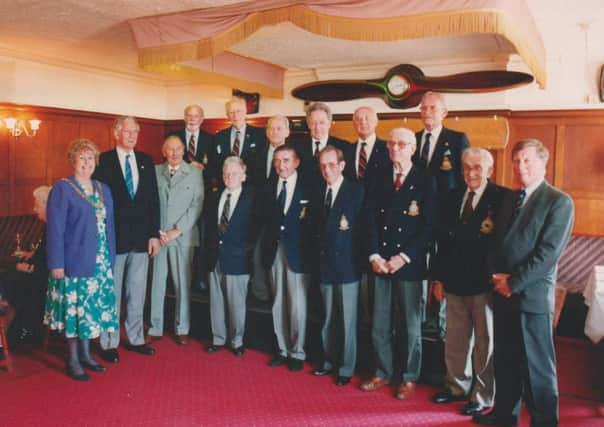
(152, 338)
(181, 339)
(373, 383)
(405, 391)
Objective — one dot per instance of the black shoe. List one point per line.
(111, 355)
(141, 349)
(473, 408)
(491, 419)
(446, 397)
(295, 365)
(278, 360)
(212, 348)
(238, 351)
(322, 372)
(94, 367)
(78, 377)
(342, 380)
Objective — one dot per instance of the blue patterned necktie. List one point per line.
(283, 196)
(129, 179)
(519, 202)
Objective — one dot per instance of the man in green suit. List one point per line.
(532, 230)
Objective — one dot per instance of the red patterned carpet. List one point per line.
(184, 386)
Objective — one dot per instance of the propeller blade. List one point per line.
(338, 90)
(473, 82)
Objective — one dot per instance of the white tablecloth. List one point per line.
(594, 298)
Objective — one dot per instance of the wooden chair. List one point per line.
(4, 322)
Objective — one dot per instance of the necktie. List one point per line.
(398, 182)
(426, 150)
(466, 213)
(362, 160)
(236, 144)
(129, 179)
(192, 147)
(317, 144)
(172, 172)
(519, 201)
(282, 196)
(226, 213)
(328, 200)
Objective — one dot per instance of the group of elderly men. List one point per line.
(337, 216)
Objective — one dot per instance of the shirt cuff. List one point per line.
(405, 257)
(373, 257)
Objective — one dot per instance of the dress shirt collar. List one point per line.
(335, 188)
(477, 196)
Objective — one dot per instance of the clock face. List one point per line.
(398, 85)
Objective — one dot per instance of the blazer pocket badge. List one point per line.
(302, 213)
(344, 225)
(487, 226)
(446, 163)
(413, 208)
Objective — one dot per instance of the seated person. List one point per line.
(24, 287)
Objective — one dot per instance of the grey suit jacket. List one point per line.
(180, 201)
(530, 246)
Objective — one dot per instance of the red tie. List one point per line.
(236, 144)
(192, 147)
(398, 182)
(362, 160)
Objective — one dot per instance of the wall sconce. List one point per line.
(18, 127)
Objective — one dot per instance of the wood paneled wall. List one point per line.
(575, 139)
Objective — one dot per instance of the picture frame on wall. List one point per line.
(252, 100)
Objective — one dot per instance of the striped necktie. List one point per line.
(362, 160)
(236, 144)
(129, 179)
(225, 216)
(192, 147)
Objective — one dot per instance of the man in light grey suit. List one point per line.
(180, 188)
(532, 230)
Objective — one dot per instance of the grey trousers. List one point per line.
(130, 273)
(290, 292)
(407, 295)
(339, 331)
(469, 347)
(227, 307)
(177, 260)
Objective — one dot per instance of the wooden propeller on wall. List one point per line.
(404, 85)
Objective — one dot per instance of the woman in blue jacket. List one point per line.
(80, 300)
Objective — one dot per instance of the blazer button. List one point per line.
(385, 228)
(405, 212)
(384, 244)
(282, 227)
(398, 245)
(220, 242)
(400, 229)
(382, 210)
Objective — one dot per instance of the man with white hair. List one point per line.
(464, 232)
(400, 230)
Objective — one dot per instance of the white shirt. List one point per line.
(477, 195)
(289, 190)
(241, 138)
(335, 187)
(322, 144)
(121, 155)
(368, 150)
(234, 199)
(435, 133)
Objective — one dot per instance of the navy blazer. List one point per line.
(309, 166)
(402, 221)
(253, 143)
(529, 247)
(340, 242)
(136, 220)
(72, 229)
(203, 154)
(463, 246)
(294, 230)
(234, 249)
(445, 164)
